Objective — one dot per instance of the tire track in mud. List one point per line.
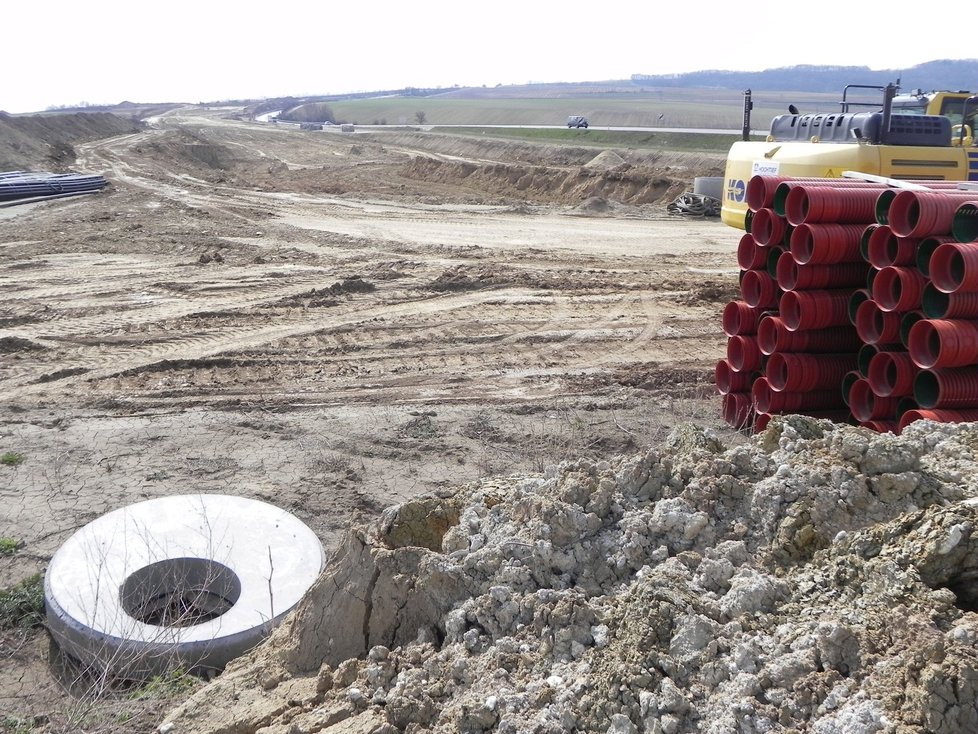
(486, 353)
(143, 298)
(565, 334)
(235, 339)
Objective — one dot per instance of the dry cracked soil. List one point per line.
(333, 323)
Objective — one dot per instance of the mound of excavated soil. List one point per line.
(45, 141)
(548, 184)
(605, 160)
(815, 578)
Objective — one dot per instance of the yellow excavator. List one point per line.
(914, 136)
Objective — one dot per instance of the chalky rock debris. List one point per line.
(819, 577)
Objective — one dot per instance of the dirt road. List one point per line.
(335, 323)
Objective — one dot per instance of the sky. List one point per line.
(107, 51)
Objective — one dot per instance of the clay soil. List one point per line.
(334, 322)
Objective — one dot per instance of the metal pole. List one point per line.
(748, 106)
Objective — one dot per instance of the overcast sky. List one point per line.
(105, 51)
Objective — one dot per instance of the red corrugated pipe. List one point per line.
(739, 317)
(738, 410)
(925, 250)
(743, 353)
(897, 288)
(825, 243)
(768, 227)
(784, 189)
(760, 191)
(964, 224)
(940, 305)
(759, 289)
(907, 320)
(792, 276)
(892, 374)
(857, 297)
(868, 232)
(884, 248)
(954, 387)
(925, 213)
(938, 416)
(944, 343)
(815, 309)
(871, 274)
(866, 405)
(882, 210)
(773, 336)
(954, 267)
(730, 380)
(886, 196)
(805, 205)
(876, 326)
(803, 372)
(750, 255)
(767, 400)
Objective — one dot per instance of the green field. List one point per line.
(670, 108)
(692, 142)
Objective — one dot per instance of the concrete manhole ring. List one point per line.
(189, 581)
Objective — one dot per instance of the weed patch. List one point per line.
(11, 458)
(8, 546)
(22, 605)
(168, 685)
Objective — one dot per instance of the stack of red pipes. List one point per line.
(859, 303)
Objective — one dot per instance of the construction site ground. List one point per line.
(333, 322)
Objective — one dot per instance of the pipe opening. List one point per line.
(883, 205)
(906, 324)
(857, 297)
(847, 382)
(964, 226)
(934, 302)
(180, 592)
(926, 389)
(864, 357)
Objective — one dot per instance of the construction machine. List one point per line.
(914, 136)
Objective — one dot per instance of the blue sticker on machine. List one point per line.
(736, 189)
(972, 166)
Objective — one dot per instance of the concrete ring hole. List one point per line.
(180, 592)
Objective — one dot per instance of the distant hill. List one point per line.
(815, 80)
(944, 74)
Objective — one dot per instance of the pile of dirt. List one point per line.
(32, 142)
(816, 578)
(547, 184)
(605, 160)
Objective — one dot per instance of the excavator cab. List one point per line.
(952, 105)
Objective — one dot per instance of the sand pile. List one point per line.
(605, 160)
(816, 578)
